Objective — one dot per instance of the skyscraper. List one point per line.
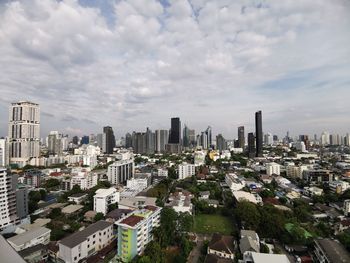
(258, 133)
(161, 140)
(24, 131)
(221, 143)
(4, 153)
(241, 139)
(175, 131)
(54, 142)
(186, 137)
(150, 141)
(209, 137)
(251, 145)
(108, 140)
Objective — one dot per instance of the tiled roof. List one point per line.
(132, 220)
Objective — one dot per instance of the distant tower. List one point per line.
(241, 139)
(162, 137)
(175, 131)
(108, 140)
(258, 133)
(24, 132)
(251, 145)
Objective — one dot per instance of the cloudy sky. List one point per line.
(136, 63)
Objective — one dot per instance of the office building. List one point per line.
(204, 140)
(258, 134)
(241, 138)
(162, 137)
(139, 143)
(85, 139)
(175, 131)
(221, 143)
(104, 198)
(85, 243)
(251, 145)
(108, 140)
(121, 170)
(4, 153)
(186, 137)
(24, 132)
(128, 140)
(135, 231)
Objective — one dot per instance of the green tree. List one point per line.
(185, 222)
(52, 183)
(42, 194)
(154, 252)
(248, 215)
(98, 217)
(55, 213)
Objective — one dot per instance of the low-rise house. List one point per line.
(234, 182)
(254, 257)
(249, 241)
(180, 201)
(71, 209)
(328, 250)
(135, 202)
(77, 198)
(222, 246)
(311, 191)
(117, 214)
(204, 195)
(245, 196)
(40, 235)
(85, 243)
(213, 203)
(37, 253)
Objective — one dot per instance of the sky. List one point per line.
(133, 64)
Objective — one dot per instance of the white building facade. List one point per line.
(105, 197)
(186, 170)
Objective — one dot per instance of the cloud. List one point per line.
(209, 62)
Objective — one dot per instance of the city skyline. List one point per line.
(131, 66)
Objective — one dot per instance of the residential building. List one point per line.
(162, 172)
(33, 178)
(121, 170)
(39, 235)
(8, 254)
(273, 168)
(24, 132)
(317, 176)
(204, 195)
(222, 246)
(328, 250)
(104, 198)
(134, 202)
(13, 205)
(199, 157)
(268, 139)
(162, 137)
(293, 171)
(4, 153)
(312, 191)
(234, 182)
(249, 241)
(135, 231)
(54, 145)
(254, 257)
(258, 133)
(77, 198)
(87, 242)
(34, 254)
(245, 196)
(339, 186)
(186, 170)
(71, 209)
(346, 207)
(84, 178)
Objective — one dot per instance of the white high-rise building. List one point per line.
(186, 170)
(120, 171)
(273, 168)
(4, 154)
(268, 138)
(24, 132)
(325, 138)
(162, 137)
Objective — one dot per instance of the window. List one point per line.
(75, 258)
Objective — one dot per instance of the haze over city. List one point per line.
(130, 65)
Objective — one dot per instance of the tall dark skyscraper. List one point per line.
(108, 140)
(175, 131)
(258, 133)
(251, 145)
(241, 139)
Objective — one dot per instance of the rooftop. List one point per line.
(271, 258)
(222, 243)
(8, 254)
(132, 220)
(71, 209)
(28, 236)
(79, 237)
(334, 250)
(105, 192)
(78, 195)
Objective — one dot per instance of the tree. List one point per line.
(42, 194)
(55, 212)
(248, 215)
(52, 183)
(112, 207)
(154, 252)
(185, 222)
(98, 217)
(264, 248)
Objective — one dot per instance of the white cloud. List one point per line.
(209, 62)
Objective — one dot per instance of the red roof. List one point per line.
(132, 220)
(55, 174)
(151, 207)
(271, 200)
